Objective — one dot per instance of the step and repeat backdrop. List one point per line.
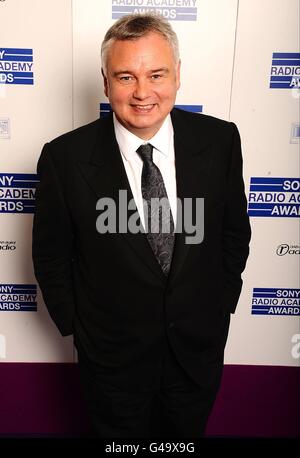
(240, 62)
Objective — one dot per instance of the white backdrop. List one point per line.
(226, 50)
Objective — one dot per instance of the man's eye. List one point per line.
(125, 78)
(156, 76)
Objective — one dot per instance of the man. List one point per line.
(149, 309)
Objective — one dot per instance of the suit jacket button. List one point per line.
(171, 325)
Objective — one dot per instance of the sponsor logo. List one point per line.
(18, 298)
(173, 10)
(295, 133)
(8, 246)
(105, 109)
(17, 192)
(285, 70)
(16, 66)
(192, 108)
(276, 301)
(274, 197)
(285, 248)
(4, 128)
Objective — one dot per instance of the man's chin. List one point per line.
(144, 129)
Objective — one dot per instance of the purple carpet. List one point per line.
(46, 400)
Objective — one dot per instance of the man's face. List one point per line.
(141, 82)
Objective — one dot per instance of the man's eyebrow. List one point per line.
(162, 69)
(121, 72)
(156, 70)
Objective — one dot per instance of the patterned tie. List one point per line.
(160, 233)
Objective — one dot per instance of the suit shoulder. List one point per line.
(197, 120)
(80, 134)
(77, 144)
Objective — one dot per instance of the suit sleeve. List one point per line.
(236, 227)
(52, 244)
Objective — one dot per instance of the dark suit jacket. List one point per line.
(108, 289)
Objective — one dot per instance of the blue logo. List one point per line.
(192, 108)
(173, 10)
(17, 192)
(274, 197)
(105, 109)
(285, 70)
(275, 301)
(18, 298)
(16, 66)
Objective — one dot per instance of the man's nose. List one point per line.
(141, 90)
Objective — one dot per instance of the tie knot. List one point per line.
(145, 152)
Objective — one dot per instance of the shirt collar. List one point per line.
(129, 143)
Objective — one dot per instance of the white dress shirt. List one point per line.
(163, 158)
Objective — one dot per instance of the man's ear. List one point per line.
(105, 83)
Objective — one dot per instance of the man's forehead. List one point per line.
(129, 51)
(144, 39)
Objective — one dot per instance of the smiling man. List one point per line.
(141, 79)
(149, 312)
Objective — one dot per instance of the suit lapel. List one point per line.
(193, 160)
(106, 175)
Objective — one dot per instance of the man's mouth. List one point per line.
(143, 108)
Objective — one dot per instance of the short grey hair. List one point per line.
(133, 26)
